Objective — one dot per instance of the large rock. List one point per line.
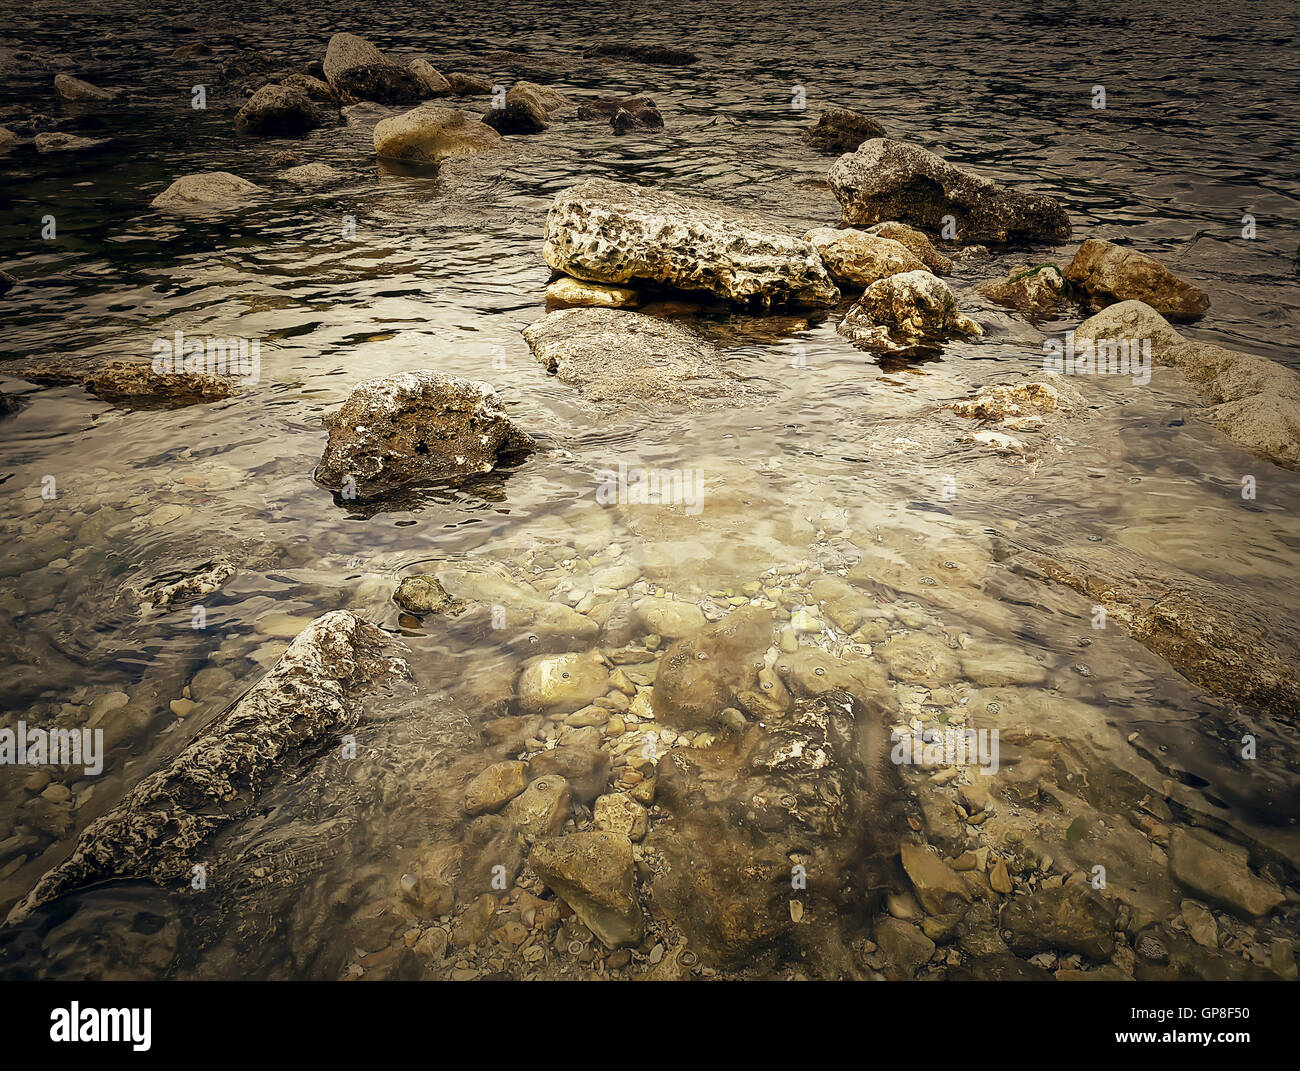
(1219, 871)
(137, 384)
(159, 830)
(782, 812)
(614, 232)
(857, 259)
(892, 180)
(74, 89)
(614, 357)
(915, 242)
(278, 109)
(593, 874)
(496, 606)
(417, 426)
(906, 314)
(1069, 918)
(206, 190)
(357, 70)
(565, 683)
(1108, 273)
(526, 110)
(1255, 401)
(841, 130)
(1034, 291)
(430, 135)
(431, 78)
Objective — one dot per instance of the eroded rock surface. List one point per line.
(841, 130)
(1108, 273)
(909, 313)
(855, 258)
(893, 180)
(614, 232)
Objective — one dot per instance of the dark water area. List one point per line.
(393, 269)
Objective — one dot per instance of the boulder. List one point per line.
(525, 112)
(278, 109)
(431, 78)
(562, 683)
(414, 427)
(841, 130)
(74, 89)
(468, 85)
(496, 786)
(48, 141)
(593, 874)
(136, 384)
(430, 135)
(1107, 273)
(638, 114)
(542, 808)
(316, 90)
(159, 830)
(356, 70)
(1219, 871)
(1254, 401)
(857, 259)
(906, 314)
(916, 242)
(1068, 918)
(903, 947)
(205, 190)
(1035, 291)
(659, 55)
(615, 358)
(939, 888)
(893, 180)
(614, 232)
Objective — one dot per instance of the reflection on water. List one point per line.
(843, 456)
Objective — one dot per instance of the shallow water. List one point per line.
(445, 271)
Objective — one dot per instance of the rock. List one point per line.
(566, 292)
(561, 683)
(672, 619)
(619, 813)
(424, 595)
(278, 109)
(74, 89)
(583, 765)
(468, 85)
(316, 90)
(528, 616)
(593, 874)
(906, 314)
(496, 786)
(1017, 402)
(741, 815)
(636, 113)
(474, 922)
(1036, 292)
(1069, 918)
(893, 180)
(312, 175)
(8, 139)
(136, 384)
(48, 141)
(429, 135)
(525, 111)
(204, 190)
(841, 130)
(414, 427)
(542, 808)
(1107, 273)
(619, 359)
(938, 887)
(158, 830)
(1218, 870)
(701, 676)
(1200, 924)
(916, 242)
(613, 232)
(858, 259)
(356, 70)
(434, 83)
(903, 946)
(653, 54)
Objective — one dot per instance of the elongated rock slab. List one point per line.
(614, 232)
(311, 694)
(892, 180)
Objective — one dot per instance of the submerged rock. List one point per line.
(593, 874)
(858, 259)
(566, 683)
(771, 816)
(1035, 292)
(1218, 870)
(654, 54)
(1256, 401)
(1069, 918)
(157, 832)
(430, 135)
(417, 426)
(74, 89)
(136, 384)
(892, 180)
(498, 606)
(205, 190)
(614, 232)
(611, 357)
(48, 141)
(906, 314)
(356, 70)
(841, 130)
(278, 109)
(312, 175)
(1017, 405)
(1108, 273)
